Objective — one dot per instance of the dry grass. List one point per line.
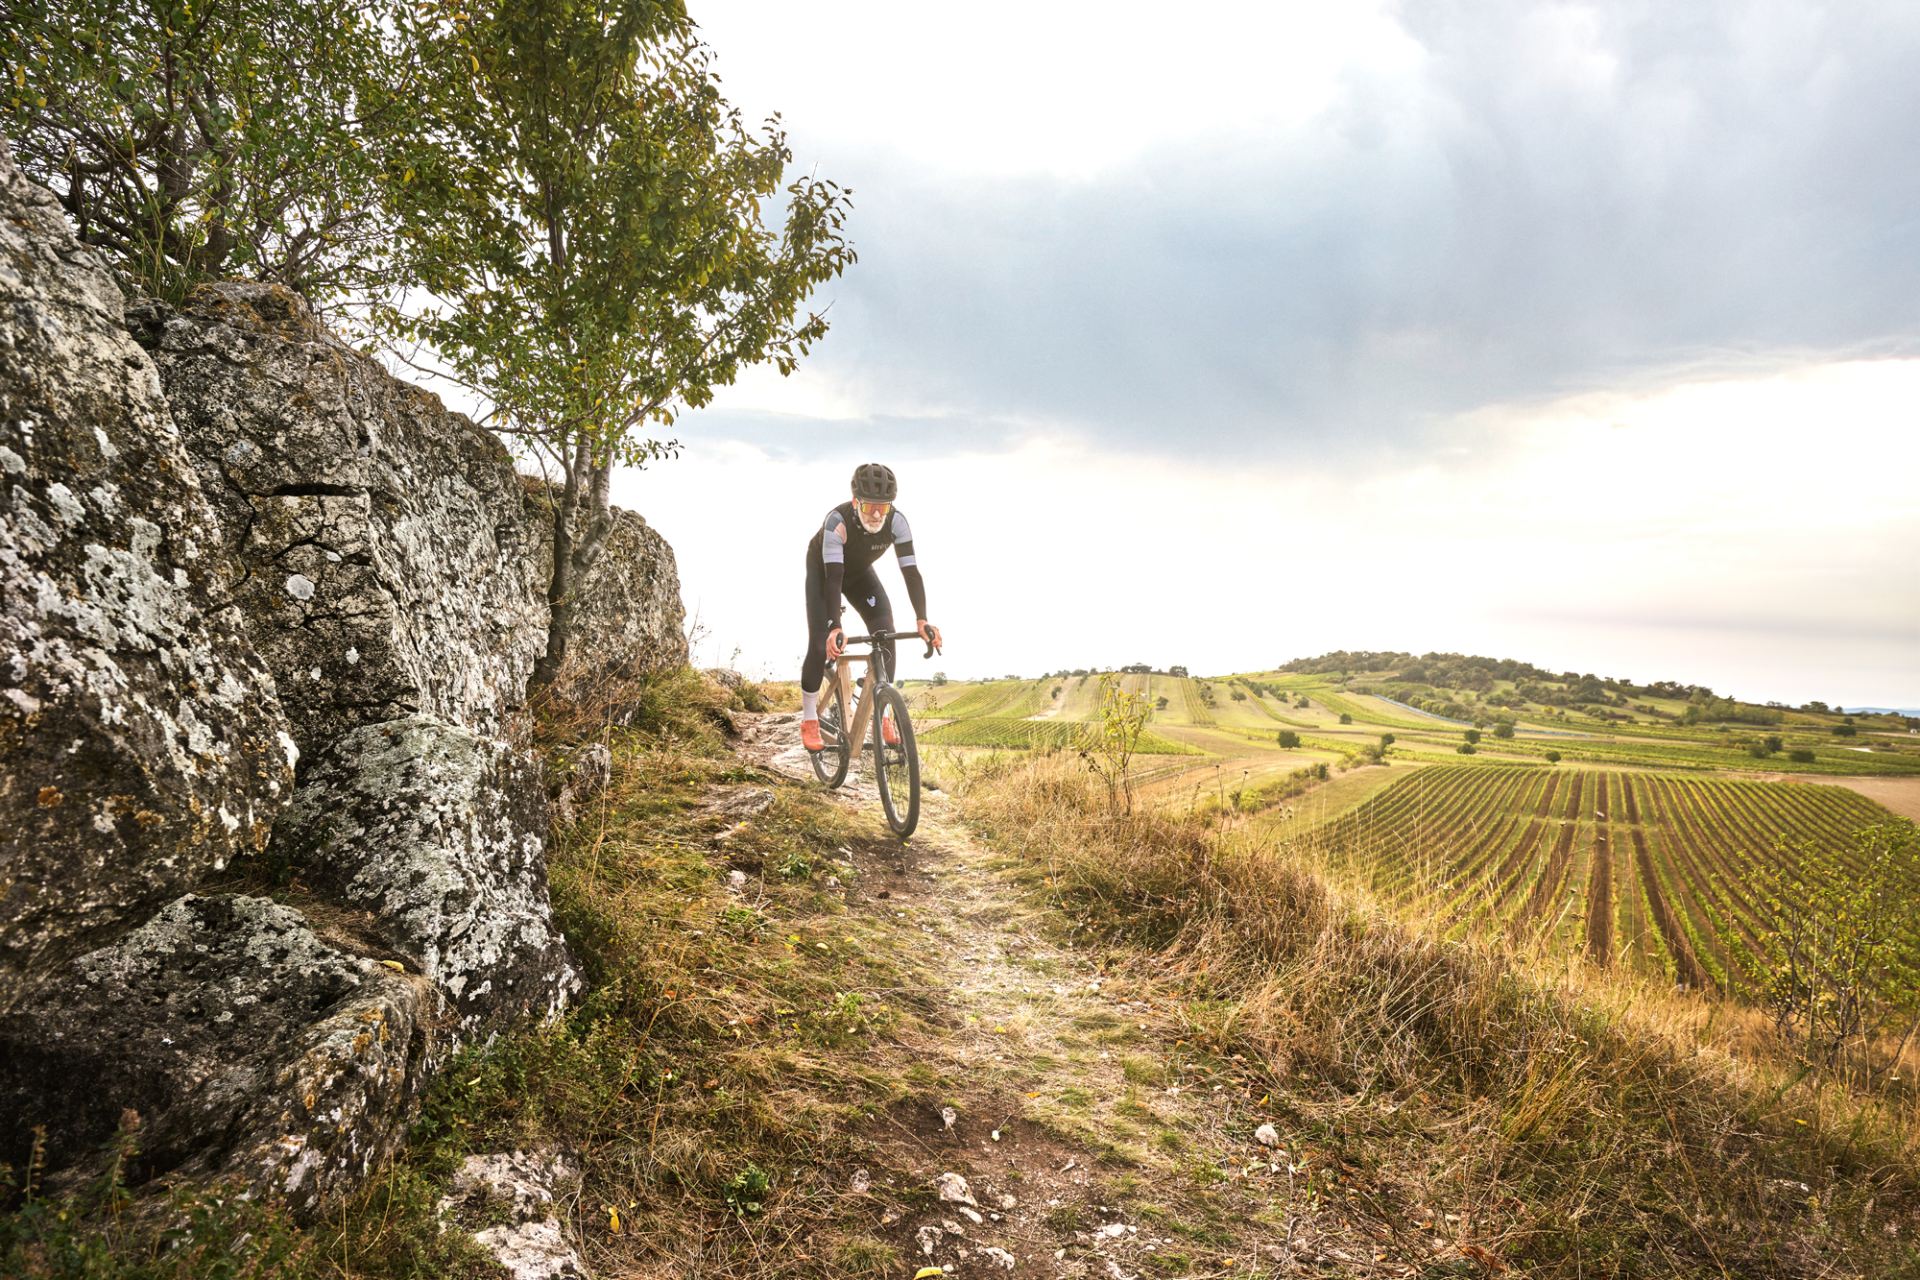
(1571, 1124)
(730, 1033)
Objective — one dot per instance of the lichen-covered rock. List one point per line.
(140, 741)
(513, 1200)
(584, 777)
(628, 619)
(380, 535)
(244, 1043)
(440, 834)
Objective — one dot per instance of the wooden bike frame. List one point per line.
(857, 731)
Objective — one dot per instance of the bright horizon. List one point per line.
(1587, 336)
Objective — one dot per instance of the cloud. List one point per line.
(1539, 200)
(1615, 533)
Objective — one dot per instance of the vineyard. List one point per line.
(1007, 699)
(1649, 870)
(996, 731)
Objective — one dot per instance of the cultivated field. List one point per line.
(1651, 870)
(1623, 823)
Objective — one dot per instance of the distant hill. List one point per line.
(1511, 681)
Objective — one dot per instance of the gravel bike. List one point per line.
(881, 713)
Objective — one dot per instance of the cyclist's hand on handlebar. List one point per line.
(836, 642)
(931, 634)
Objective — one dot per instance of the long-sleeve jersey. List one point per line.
(841, 540)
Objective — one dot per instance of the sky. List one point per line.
(1582, 334)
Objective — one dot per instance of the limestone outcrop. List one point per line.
(228, 1037)
(380, 538)
(439, 834)
(232, 551)
(629, 620)
(141, 744)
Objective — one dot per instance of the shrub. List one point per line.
(1840, 916)
(1472, 735)
(1503, 730)
(1844, 731)
(1289, 739)
(1345, 718)
(1800, 755)
(1466, 748)
(1553, 757)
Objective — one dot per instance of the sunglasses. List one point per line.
(873, 510)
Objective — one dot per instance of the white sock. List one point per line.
(809, 705)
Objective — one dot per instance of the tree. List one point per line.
(1123, 718)
(199, 139)
(1504, 729)
(1772, 742)
(1289, 739)
(1345, 718)
(589, 218)
(939, 677)
(1466, 748)
(1386, 740)
(1472, 735)
(1553, 757)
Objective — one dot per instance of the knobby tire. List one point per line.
(896, 770)
(836, 753)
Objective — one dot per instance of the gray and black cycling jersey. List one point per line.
(842, 543)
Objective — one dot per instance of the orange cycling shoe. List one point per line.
(810, 735)
(889, 731)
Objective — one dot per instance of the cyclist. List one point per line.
(840, 561)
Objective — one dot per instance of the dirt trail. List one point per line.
(1090, 1142)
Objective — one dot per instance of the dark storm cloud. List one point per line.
(1551, 200)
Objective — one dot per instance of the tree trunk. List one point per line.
(573, 558)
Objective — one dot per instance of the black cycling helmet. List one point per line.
(874, 482)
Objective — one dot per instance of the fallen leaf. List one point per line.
(1485, 1259)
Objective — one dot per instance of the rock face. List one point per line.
(441, 835)
(240, 550)
(381, 539)
(242, 1042)
(629, 620)
(141, 745)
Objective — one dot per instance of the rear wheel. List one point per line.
(836, 753)
(896, 765)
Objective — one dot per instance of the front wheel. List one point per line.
(836, 753)
(896, 765)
